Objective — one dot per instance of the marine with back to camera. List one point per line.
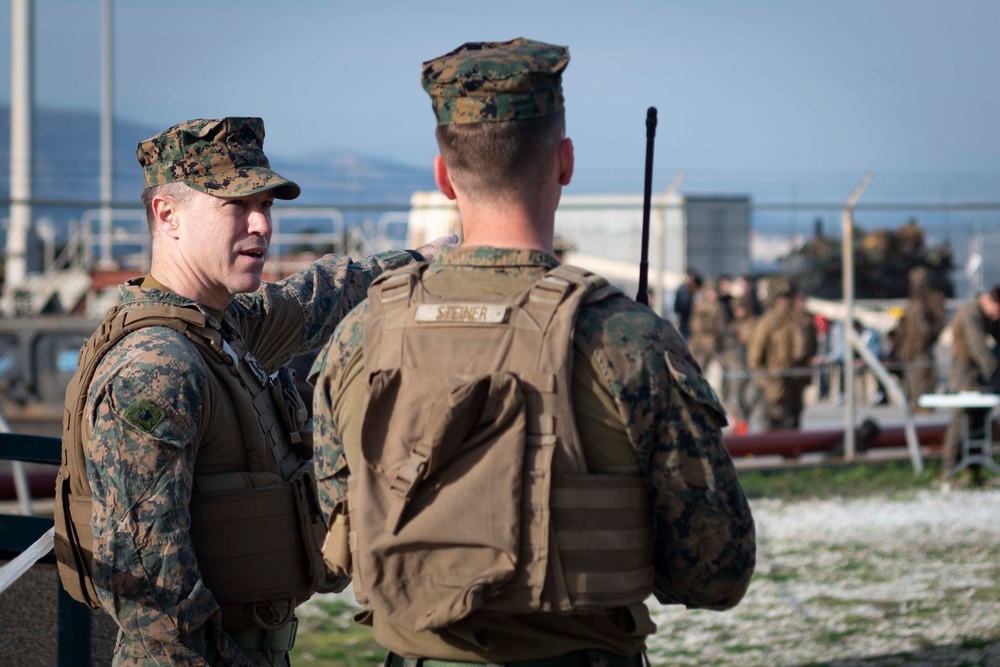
(507, 484)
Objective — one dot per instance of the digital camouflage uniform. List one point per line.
(741, 392)
(151, 434)
(916, 334)
(709, 320)
(973, 362)
(783, 343)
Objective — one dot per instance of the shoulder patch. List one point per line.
(144, 414)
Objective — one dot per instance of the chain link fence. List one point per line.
(740, 232)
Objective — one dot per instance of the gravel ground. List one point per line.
(906, 580)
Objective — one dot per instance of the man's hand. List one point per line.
(432, 249)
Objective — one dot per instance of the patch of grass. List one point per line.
(332, 638)
(836, 636)
(985, 595)
(831, 602)
(851, 565)
(778, 573)
(924, 611)
(839, 480)
(747, 648)
(676, 653)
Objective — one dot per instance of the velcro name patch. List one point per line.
(462, 313)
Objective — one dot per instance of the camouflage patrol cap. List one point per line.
(780, 287)
(221, 157)
(482, 82)
(919, 276)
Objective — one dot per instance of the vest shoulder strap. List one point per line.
(74, 543)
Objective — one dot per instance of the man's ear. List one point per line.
(166, 213)
(566, 161)
(443, 178)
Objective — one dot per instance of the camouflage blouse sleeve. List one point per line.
(757, 349)
(143, 408)
(975, 329)
(298, 314)
(705, 544)
(338, 409)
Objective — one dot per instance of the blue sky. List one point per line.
(783, 85)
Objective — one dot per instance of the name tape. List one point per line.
(462, 313)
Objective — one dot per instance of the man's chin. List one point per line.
(247, 284)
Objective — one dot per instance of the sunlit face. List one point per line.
(990, 308)
(223, 244)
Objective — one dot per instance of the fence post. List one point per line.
(661, 243)
(897, 394)
(847, 264)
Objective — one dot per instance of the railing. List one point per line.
(18, 532)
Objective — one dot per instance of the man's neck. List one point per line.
(149, 282)
(508, 227)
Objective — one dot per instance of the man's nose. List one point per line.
(260, 221)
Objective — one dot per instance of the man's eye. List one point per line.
(267, 203)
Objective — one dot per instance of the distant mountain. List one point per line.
(339, 177)
(67, 166)
(67, 156)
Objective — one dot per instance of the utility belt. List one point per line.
(255, 638)
(581, 658)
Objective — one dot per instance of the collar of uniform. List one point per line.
(487, 256)
(146, 289)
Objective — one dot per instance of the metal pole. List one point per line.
(661, 240)
(978, 287)
(898, 397)
(22, 94)
(107, 131)
(847, 223)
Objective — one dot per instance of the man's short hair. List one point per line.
(499, 107)
(501, 159)
(178, 191)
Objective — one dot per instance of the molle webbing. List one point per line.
(586, 539)
(268, 448)
(598, 525)
(249, 547)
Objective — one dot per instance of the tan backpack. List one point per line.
(473, 494)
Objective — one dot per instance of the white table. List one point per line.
(977, 450)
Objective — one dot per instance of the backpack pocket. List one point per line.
(436, 506)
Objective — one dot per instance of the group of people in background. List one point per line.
(763, 342)
(761, 348)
